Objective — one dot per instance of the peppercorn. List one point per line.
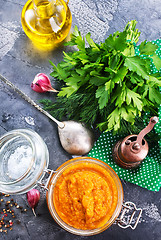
(6, 210)
(18, 221)
(11, 223)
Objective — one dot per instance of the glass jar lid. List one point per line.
(24, 156)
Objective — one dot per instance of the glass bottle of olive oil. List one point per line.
(46, 22)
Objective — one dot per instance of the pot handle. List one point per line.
(126, 218)
(50, 172)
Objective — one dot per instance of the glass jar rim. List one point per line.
(40, 163)
(17, 133)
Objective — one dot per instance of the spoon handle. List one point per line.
(29, 100)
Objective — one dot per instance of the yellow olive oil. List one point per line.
(46, 23)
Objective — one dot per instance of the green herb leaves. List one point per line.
(138, 65)
(119, 82)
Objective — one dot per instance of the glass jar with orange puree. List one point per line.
(85, 196)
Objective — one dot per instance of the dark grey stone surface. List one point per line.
(20, 62)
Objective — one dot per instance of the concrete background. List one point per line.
(20, 62)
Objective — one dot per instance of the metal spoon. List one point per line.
(75, 138)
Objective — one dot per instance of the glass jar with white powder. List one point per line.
(23, 158)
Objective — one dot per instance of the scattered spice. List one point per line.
(7, 213)
(18, 221)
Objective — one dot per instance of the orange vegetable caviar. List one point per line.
(85, 196)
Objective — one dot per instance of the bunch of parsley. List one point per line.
(107, 84)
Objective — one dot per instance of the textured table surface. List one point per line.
(20, 62)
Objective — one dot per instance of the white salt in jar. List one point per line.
(23, 158)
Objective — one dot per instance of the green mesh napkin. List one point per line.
(148, 174)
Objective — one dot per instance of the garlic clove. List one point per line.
(41, 83)
(33, 197)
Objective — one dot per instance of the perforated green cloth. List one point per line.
(148, 174)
